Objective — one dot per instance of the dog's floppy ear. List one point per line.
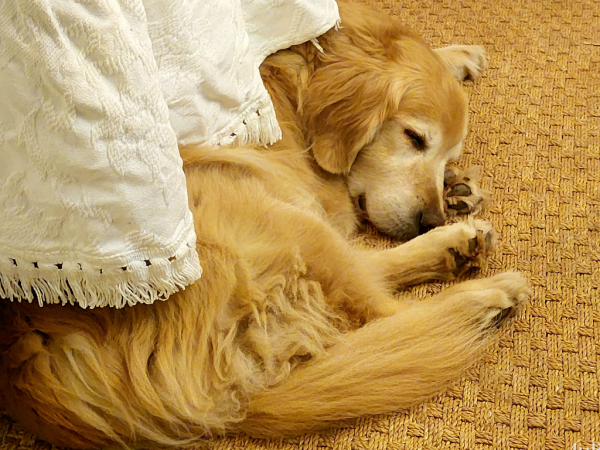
(346, 104)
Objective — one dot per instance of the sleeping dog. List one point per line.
(290, 329)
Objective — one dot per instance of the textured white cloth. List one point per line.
(94, 97)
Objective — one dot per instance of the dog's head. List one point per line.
(383, 110)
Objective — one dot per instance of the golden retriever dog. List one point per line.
(290, 329)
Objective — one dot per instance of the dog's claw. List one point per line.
(459, 259)
(502, 316)
(462, 193)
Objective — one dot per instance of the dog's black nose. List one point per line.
(431, 217)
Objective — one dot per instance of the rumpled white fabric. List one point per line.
(95, 96)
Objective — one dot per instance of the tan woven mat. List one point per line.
(535, 126)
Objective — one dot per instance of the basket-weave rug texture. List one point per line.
(535, 129)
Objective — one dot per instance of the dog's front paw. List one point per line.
(466, 62)
(462, 193)
(474, 60)
(477, 242)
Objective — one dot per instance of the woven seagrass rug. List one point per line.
(535, 129)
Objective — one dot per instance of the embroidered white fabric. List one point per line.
(95, 95)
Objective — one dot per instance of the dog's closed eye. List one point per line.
(418, 141)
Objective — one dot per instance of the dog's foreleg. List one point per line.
(441, 254)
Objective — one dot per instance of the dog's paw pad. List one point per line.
(475, 251)
(462, 193)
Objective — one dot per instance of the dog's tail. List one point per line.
(388, 365)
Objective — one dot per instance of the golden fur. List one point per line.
(290, 329)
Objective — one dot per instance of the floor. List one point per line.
(535, 129)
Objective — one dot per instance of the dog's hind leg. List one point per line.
(348, 279)
(389, 364)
